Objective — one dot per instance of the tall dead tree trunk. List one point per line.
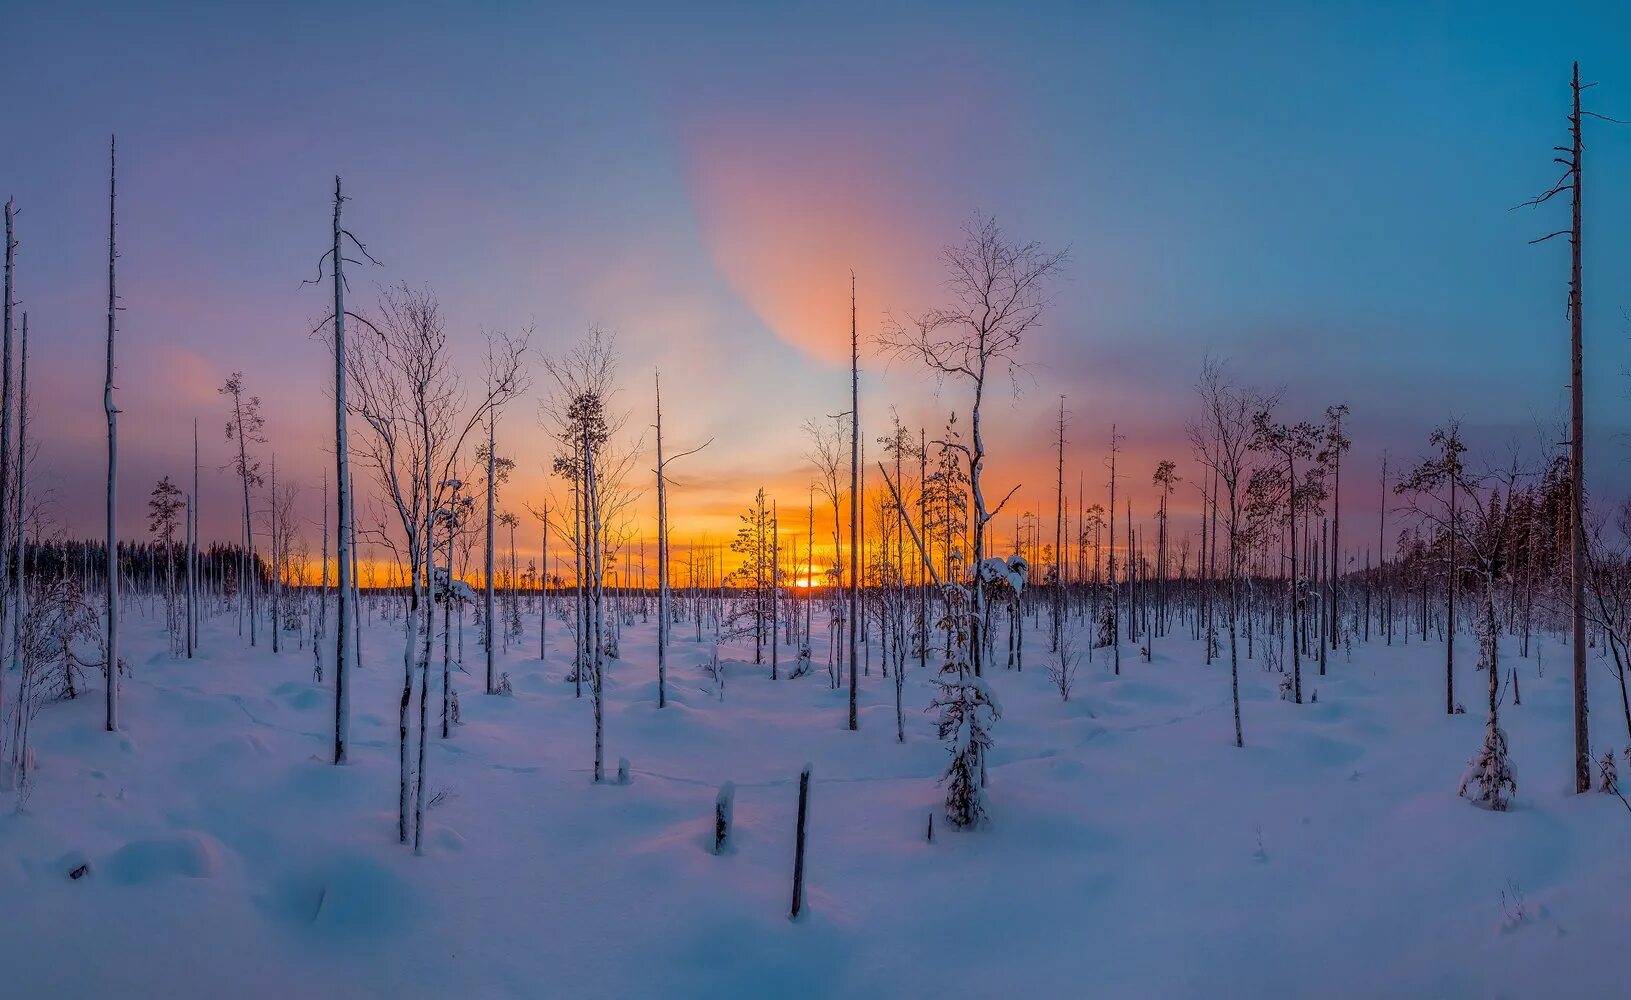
(1577, 463)
(487, 561)
(1115, 598)
(192, 556)
(1059, 541)
(1573, 182)
(5, 418)
(112, 641)
(343, 521)
(662, 555)
(19, 536)
(8, 582)
(854, 501)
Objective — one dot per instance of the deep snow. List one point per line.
(1133, 851)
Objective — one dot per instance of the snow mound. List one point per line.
(186, 854)
(348, 895)
(299, 695)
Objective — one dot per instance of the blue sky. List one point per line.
(1319, 192)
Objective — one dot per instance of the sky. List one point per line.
(1322, 194)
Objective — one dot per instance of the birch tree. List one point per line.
(407, 393)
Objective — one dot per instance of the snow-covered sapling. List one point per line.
(968, 708)
(622, 770)
(1489, 772)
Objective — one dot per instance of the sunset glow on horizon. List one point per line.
(708, 205)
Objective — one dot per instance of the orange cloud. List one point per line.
(787, 221)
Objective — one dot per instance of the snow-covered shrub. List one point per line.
(504, 687)
(968, 708)
(1489, 773)
(1105, 617)
(802, 667)
(724, 809)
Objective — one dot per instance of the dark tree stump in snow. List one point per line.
(723, 807)
(798, 856)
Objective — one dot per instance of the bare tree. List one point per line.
(663, 613)
(111, 663)
(6, 581)
(1287, 444)
(1335, 444)
(1222, 438)
(578, 410)
(1573, 181)
(999, 294)
(412, 401)
(345, 520)
(1058, 568)
(826, 454)
(498, 470)
(245, 426)
(854, 500)
(20, 508)
(1434, 489)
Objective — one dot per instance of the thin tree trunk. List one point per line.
(112, 642)
(344, 553)
(854, 502)
(1577, 468)
(662, 556)
(487, 560)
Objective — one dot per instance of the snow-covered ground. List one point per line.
(1133, 851)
